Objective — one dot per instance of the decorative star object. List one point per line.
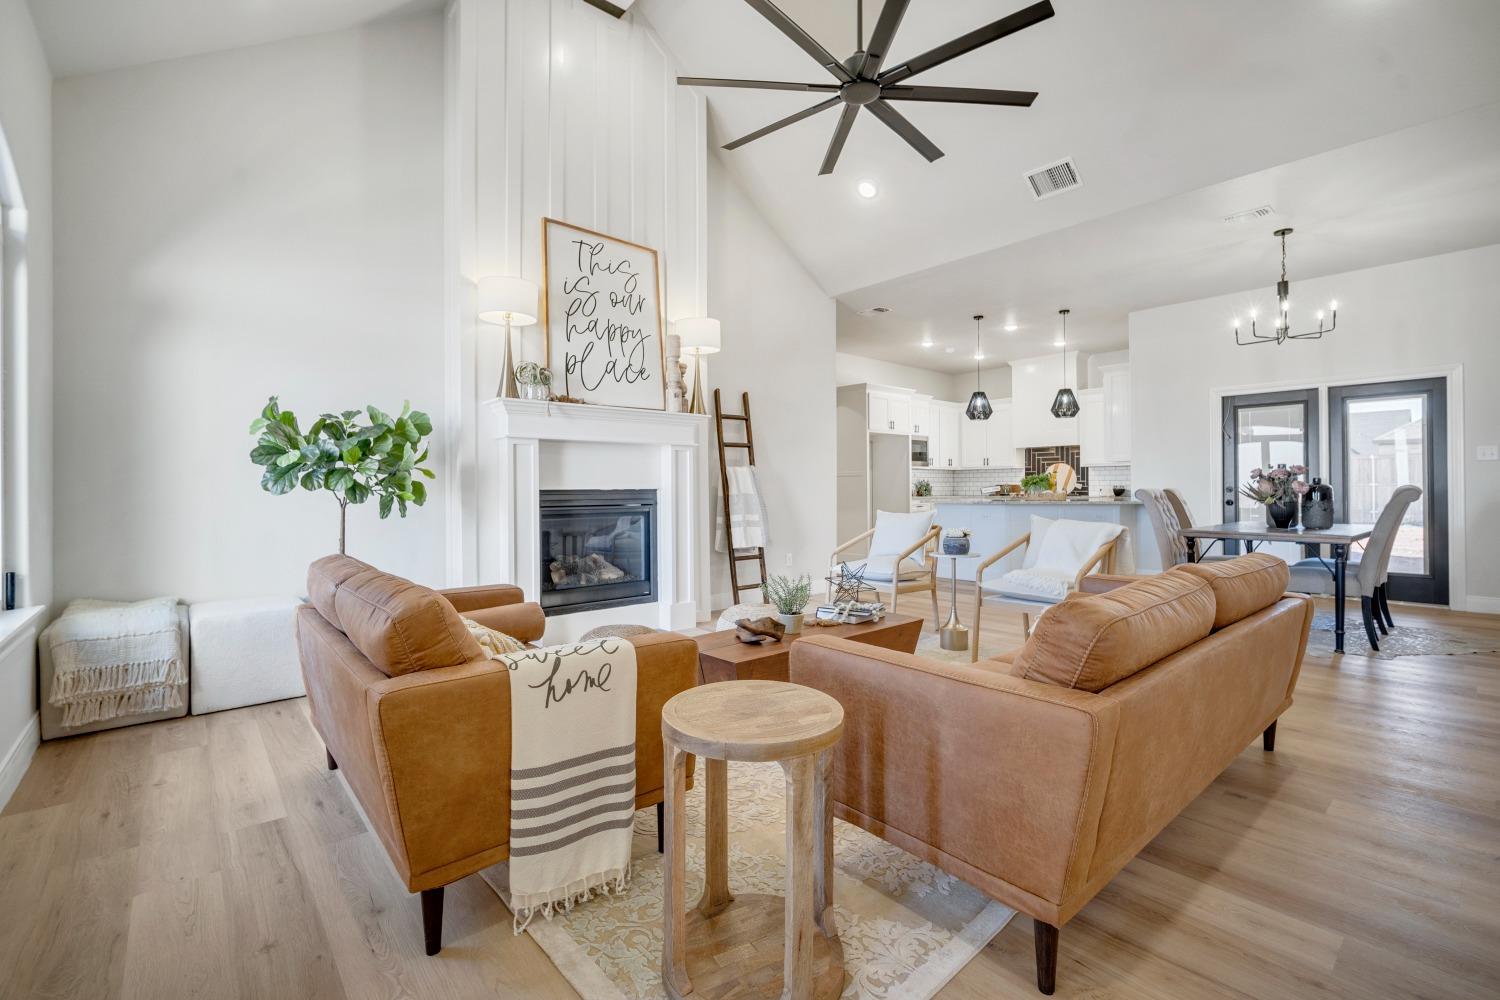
(849, 585)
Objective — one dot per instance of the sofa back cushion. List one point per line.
(1241, 586)
(400, 626)
(1091, 641)
(324, 578)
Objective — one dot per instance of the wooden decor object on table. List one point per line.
(723, 657)
(732, 947)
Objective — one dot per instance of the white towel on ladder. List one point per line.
(748, 523)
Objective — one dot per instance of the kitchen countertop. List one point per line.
(1111, 501)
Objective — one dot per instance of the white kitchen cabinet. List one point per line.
(921, 416)
(1000, 449)
(1117, 415)
(890, 413)
(948, 419)
(1093, 442)
(973, 446)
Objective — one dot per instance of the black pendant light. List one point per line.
(979, 404)
(1064, 404)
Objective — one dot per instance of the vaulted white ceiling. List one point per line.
(87, 36)
(1175, 112)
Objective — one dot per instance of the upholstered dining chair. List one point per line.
(1168, 514)
(1057, 555)
(902, 556)
(1367, 576)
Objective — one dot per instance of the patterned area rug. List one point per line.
(906, 927)
(1404, 640)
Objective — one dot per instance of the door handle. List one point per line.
(1229, 502)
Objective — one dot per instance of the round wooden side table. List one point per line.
(727, 947)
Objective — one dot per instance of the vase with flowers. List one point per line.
(1280, 490)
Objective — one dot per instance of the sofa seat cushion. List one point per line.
(1091, 641)
(324, 578)
(400, 626)
(1241, 586)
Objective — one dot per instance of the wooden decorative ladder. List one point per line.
(757, 553)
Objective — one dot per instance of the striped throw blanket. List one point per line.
(572, 778)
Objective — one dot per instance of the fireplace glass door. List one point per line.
(598, 549)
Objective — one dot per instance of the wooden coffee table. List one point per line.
(722, 657)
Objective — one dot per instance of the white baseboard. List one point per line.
(18, 758)
(1482, 605)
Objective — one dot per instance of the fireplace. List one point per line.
(598, 549)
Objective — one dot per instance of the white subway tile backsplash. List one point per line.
(1103, 479)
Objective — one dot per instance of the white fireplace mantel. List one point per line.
(541, 440)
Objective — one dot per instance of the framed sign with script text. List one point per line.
(602, 312)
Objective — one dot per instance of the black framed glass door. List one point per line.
(1263, 430)
(1382, 435)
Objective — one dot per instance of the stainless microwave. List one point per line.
(919, 453)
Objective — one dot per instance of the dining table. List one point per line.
(1338, 538)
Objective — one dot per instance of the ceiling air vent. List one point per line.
(1054, 178)
(875, 311)
(1251, 214)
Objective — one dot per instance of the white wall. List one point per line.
(1418, 317)
(26, 447)
(265, 220)
(554, 109)
(779, 334)
(852, 369)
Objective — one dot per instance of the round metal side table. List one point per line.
(954, 634)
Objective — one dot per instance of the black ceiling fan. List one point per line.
(863, 84)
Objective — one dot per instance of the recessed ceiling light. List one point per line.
(926, 341)
(1058, 343)
(1011, 328)
(948, 350)
(867, 189)
(978, 355)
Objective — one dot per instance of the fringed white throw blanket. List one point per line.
(572, 777)
(748, 522)
(111, 659)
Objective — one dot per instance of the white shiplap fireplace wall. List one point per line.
(554, 109)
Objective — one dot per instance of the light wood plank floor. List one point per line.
(215, 857)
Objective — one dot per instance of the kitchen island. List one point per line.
(995, 522)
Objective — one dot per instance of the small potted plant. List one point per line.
(1039, 482)
(1279, 490)
(956, 542)
(922, 488)
(790, 597)
(535, 382)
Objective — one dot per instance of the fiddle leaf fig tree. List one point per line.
(344, 454)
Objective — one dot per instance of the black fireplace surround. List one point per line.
(598, 549)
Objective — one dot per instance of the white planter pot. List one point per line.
(793, 623)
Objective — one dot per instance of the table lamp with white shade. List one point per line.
(511, 302)
(699, 335)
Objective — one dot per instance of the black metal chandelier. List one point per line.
(1065, 403)
(979, 407)
(1283, 329)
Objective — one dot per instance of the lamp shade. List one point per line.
(1064, 404)
(979, 407)
(700, 335)
(502, 299)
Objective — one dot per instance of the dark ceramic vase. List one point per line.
(956, 545)
(1317, 507)
(1281, 515)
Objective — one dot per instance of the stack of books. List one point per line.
(850, 614)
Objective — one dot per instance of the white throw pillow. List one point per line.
(1069, 544)
(895, 533)
(1039, 526)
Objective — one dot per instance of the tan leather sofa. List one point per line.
(1037, 775)
(419, 720)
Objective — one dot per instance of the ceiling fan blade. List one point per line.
(713, 81)
(885, 30)
(789, 120)
(960, 95)
(905, 130)
(991, 32)
(840, 135)
(804, 41)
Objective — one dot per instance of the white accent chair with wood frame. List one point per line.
(895, 543)
(1058, 554)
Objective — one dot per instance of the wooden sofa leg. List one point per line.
(432, 919)
(333, 765)
(661, 828)
(1045, 937)
(1268, 738)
